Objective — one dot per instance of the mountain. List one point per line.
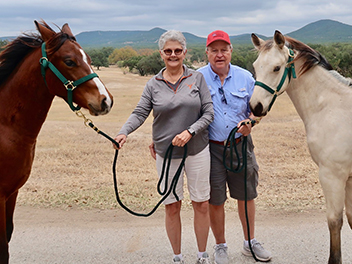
(323, 31)
(136, 39)
(119, 38)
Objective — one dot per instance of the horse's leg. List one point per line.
(4, 246)
(333, 186)
(10, 208)
(348, 201)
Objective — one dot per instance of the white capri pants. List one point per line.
(197, 170)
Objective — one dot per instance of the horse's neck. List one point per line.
(314, 92)
(25, 98)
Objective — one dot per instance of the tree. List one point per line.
(145, 52)
(122, 54)
(197, 54)
(99, 58)
(132, 62)
(107, 51)
(2, 44)
(150, 64)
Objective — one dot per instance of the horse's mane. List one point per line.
(17, 50)
(311, 57)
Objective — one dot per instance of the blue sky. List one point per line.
(198, 17)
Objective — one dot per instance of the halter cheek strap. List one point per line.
(69, 85)
(289, 71)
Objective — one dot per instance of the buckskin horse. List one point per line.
(33, 70)
(324, 105)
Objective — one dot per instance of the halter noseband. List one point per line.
(69, 85)
(289, 71)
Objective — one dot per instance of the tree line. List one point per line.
(148, 61)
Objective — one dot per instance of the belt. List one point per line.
(238, 140)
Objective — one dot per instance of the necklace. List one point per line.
(172, 78)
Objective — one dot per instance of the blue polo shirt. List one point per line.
(230, 100)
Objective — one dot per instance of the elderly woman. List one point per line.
(182, 110)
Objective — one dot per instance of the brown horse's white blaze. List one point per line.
(104, 105)
(324, 105)
(25, 99)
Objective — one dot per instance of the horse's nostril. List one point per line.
(257, 110)
(104, 104)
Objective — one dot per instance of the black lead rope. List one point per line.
(166, 191)
(231, 146)
(167, 160)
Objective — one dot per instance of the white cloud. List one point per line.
(198, 16)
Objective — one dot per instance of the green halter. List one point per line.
(289, 71)
(69, 85)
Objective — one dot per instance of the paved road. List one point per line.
(113, 236)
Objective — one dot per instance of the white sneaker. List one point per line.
(220, 254)
(258, 250)
(204, 259)
(177, 260)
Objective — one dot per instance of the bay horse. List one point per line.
(324, 105)
(27, 89)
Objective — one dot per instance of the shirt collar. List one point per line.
(159, 76)
(215, 77)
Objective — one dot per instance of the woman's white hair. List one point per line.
(172, 35)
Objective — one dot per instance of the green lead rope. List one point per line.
(231, 146)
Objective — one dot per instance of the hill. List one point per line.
(323, 31)
(144, 39)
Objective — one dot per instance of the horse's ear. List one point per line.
(279, 39)
(257, 42)
(45, 32)
(66, 29)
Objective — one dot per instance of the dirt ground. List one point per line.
(66, 212)
(114, 236)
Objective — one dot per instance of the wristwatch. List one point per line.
(191, 131)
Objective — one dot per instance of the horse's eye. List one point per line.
(277, 68)
(70, 63)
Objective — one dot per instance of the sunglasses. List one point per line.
(168, 52)
(223, 98)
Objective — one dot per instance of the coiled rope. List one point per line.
(231, 147)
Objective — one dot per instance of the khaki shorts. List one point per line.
(197, 170)
(220, 178)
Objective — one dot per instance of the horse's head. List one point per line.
(273, 70)
(75, 80)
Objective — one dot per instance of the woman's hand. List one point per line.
(121, 139)
(181, 139)
(152, 150)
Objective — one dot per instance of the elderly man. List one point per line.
(231, 88)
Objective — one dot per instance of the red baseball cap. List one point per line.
(218, 35)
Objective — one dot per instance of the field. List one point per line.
(73, 164)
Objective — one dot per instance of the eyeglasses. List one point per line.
(168, 52)
(223, 98)
(222, 51)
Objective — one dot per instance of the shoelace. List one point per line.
(202, 261)
(257, 246)
(220, 250)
